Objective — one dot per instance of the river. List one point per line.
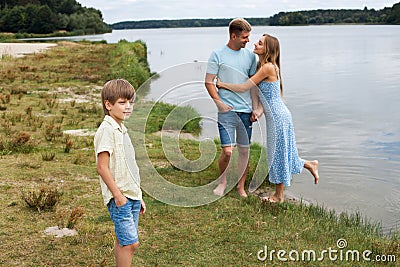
(342, 85)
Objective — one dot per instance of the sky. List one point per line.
(133, 10)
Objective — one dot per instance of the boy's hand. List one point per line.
(143, 207)
(120, 200)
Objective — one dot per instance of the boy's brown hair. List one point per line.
(236, 26)
(115, 89)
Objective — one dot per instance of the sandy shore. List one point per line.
(21, 49)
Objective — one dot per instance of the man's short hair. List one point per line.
(238, 25)
(115, 89)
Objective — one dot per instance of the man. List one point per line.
(233, 64)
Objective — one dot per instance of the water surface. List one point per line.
(342, 85)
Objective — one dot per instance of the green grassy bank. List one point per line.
(43, 95)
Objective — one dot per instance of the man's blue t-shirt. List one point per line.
(233, 66)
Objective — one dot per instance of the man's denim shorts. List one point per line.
(234, 128)
(126, 220)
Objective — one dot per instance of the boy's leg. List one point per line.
(123, 254)
(125, 219)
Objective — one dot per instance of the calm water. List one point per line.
(342, 85)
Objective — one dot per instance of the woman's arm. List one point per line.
(240, 88)
(212, 91)
(243, 87)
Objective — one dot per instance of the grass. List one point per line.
(42, 95)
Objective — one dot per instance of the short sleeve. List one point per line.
(212, 64)
(104, 141)
(253, 68)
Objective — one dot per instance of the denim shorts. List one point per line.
(234, 128)
(126, 220)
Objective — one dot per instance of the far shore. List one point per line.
(21, 49)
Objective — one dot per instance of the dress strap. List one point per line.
(277, 72)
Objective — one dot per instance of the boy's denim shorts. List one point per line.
(126, 220)
(234, 128)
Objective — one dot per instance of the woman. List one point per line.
(283, 158)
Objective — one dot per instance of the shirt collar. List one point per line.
(114, 124)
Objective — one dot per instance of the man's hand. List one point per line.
(222, 107)
(257, 113)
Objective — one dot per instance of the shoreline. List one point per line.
(227, 232)
(22, 49)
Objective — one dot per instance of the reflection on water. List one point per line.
(342, 85)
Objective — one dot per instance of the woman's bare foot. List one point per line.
(278, 196)
(272, 199)
(219, 190)
(312, 166)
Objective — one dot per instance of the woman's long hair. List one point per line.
(272, 55)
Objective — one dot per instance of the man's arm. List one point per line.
(213, 92)
(103, 170)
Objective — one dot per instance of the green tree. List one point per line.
(14, 20)
(68, 7)
(62, 21)
(47, 16)
(297, 18)
(394, 16)
(44, 21)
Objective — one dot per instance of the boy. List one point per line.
(119, 173)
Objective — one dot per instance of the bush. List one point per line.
(185, 119)
(44, 198)
(48, 156)
(70, 218)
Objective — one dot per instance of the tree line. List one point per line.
(317, 17)
(49, 16)
(386, 15)
(182, 23)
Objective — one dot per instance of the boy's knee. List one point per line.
(133, 247)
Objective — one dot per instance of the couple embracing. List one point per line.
(243, 90)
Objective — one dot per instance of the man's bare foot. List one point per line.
(272, 199)
(242, 192)
(219, 190)
(313, 168)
